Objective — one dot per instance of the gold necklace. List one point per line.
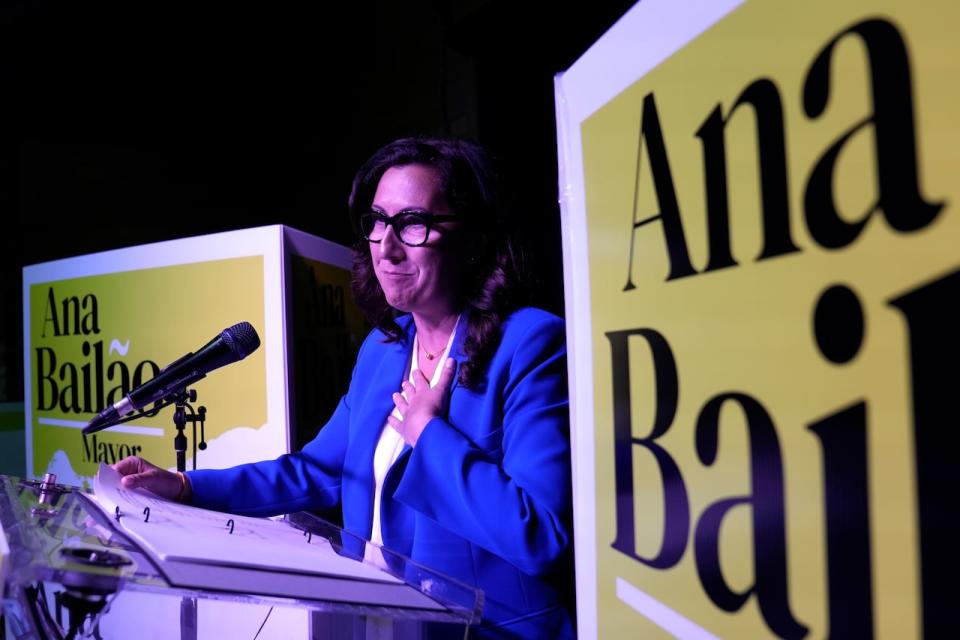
(430, 356)
(436, 354)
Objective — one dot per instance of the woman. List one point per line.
(451, 445)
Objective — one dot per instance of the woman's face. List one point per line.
(421, 280)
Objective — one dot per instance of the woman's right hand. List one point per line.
(135, 472)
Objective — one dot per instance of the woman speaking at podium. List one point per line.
(451, 446)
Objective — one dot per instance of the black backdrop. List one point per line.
(135, 122)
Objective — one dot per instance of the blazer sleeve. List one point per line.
(308, 479)
(517, 506)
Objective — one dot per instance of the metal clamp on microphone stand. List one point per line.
(182, 405)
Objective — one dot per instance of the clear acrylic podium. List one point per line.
(66, 564)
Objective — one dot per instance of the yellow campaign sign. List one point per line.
(773, 276)
(93, 339)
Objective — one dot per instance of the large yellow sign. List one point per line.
(94, 339)
(773, 275)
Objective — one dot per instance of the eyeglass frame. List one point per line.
(391, 221)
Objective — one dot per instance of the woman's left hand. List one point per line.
(422, 404)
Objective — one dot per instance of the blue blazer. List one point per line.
(484, 497)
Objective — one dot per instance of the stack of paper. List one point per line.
(202, 549)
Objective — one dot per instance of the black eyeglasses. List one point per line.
(412, 227)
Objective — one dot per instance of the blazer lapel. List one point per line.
(380, 380)
(456, 349)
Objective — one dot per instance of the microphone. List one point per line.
(234, 343)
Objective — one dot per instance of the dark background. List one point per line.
(135, 122)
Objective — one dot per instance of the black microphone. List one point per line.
(234, 343)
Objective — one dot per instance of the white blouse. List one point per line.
(388, 450)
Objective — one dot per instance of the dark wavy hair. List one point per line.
(492, 285)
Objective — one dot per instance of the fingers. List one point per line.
(446, 376)
(132, 481)
(395, 419)
(155, 480)
(135, 472)
(418, 403)
(400, 401)
(129, 465)
(420, 381)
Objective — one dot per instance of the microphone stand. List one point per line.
(182, 400)
(182, 403)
